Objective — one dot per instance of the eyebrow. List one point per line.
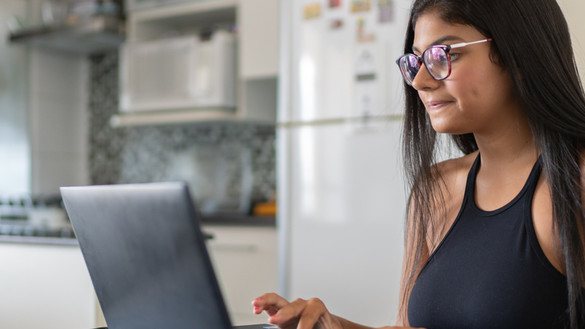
(441, 41)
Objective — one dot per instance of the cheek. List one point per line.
(476, 89)
(467, 92)
(498, 91)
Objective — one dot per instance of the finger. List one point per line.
(313, 311)
(269, 302)
(270, 310)
(270, 299)
(288, 314)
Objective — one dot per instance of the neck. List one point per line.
(512, 143)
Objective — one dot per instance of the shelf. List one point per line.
(99, 35)
(168, 117)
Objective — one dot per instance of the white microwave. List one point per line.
(179, 73)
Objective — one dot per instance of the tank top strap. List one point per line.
(533, 178)
(527, 191)
(470, 185)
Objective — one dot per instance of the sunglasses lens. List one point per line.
(409, 67)
(437, 62)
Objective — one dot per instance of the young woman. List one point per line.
(496, 238)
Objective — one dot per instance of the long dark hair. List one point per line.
(531, 40)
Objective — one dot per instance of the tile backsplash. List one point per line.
(227, 165)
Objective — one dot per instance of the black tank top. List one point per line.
(489, 271)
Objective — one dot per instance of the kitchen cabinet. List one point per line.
(258, 27)
(244, 259)
(255, 23)
(46, 286)
(51, 282)
(259, 38)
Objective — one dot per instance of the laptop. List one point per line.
(146, 256)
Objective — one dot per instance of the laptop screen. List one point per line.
(146, 256)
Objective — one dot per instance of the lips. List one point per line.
(434, 105)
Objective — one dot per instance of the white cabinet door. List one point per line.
(244, 259)
(45, 287)
(258, 26)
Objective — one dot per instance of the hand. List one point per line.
(299, 314)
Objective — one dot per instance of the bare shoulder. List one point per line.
(454, 173)
(543, 219)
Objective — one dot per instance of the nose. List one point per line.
(423, 79)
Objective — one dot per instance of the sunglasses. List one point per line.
(436, 59)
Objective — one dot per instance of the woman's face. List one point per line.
(478, 95)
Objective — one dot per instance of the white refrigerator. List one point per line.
(341, 191)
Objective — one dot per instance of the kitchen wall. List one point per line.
(574, 10)
(42, 113)
(58, 120)
(14, 143)
(227, 165)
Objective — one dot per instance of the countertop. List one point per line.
(37, 235)
(238, 220)
(66, 237)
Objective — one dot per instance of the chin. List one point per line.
(446, 129)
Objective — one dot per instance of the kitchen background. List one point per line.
(61, 88)
(62, 122)
(229, 166)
